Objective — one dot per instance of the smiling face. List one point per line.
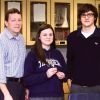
(46, 38)
(87, 19)
(14, 23)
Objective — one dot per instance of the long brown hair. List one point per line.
(38, 45)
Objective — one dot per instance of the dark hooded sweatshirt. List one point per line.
(35, 78)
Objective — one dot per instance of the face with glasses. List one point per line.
(87, 15)
(87, 19)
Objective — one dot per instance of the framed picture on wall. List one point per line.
(13, 4)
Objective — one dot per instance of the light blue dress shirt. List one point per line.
(12, 55)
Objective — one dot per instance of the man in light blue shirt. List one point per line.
(12, 56)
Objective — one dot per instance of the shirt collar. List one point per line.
(10, 36)
(95, 34)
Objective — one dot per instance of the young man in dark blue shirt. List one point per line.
(83, 57)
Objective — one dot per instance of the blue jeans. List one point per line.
(84, 93)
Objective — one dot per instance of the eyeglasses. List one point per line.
(89, 15)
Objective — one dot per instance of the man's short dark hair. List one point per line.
(11, 11)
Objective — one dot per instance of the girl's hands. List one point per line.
(51, 71)
(60, 75)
